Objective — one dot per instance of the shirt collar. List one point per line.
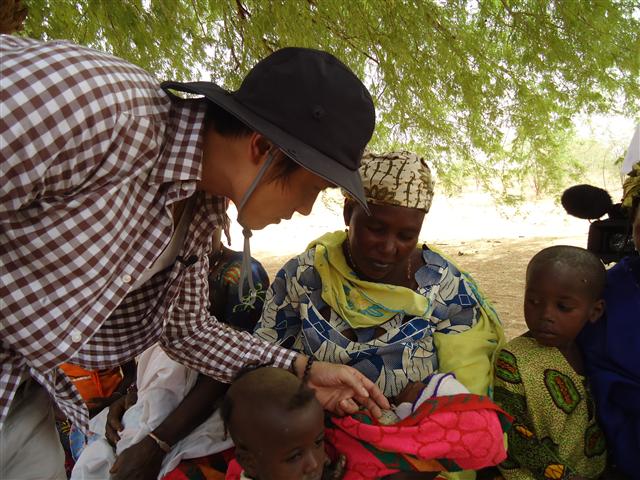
(181, 157)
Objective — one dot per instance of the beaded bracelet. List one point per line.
(307, 369)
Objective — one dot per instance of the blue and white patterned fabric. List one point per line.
(397, 352)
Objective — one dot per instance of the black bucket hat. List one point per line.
(310, 105)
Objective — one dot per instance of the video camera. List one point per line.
(610, 239)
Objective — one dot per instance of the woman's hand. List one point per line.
(114, 417)
(141, 461)
(342, 389)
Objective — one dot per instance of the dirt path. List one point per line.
(498, 265)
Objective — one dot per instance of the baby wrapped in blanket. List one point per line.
(445, 429)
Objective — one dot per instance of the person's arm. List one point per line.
(195, 339)
(96, 405)
(196, 407)
(526, 450)
(341, 389)
(143, 460)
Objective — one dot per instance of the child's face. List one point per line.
(290, 447)
(557, 305)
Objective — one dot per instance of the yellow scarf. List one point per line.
(358, 302)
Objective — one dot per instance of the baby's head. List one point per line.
(276, 424)
(563, 292)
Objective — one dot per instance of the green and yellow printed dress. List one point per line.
(554, 434)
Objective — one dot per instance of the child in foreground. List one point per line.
(540, 378)
(279, 432)
(277, 426)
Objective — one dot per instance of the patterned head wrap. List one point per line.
(631, 187)
(397, 178)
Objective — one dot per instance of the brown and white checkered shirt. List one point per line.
(93, 155)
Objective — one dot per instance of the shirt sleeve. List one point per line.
(194, 338)
(281, 322)
(527, 454)
(221, 352)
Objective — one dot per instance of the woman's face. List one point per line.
(381, 244)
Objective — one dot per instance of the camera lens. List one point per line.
(620, 242)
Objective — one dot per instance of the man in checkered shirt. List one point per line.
(111, 190)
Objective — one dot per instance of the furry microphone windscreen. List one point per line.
(586, 201)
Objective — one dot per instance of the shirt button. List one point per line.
(76, 336)
(126, 278)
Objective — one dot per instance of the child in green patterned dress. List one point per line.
(539, 376)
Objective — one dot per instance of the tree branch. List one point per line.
(242, 11)
(195, 9)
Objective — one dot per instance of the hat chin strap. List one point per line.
(245, 270)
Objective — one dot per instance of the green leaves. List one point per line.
(477, 87)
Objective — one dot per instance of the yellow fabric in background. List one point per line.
(471, 355)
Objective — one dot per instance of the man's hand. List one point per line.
(141, 461)
(342, 389)
(114, 417)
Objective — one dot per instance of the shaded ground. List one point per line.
(498, 265)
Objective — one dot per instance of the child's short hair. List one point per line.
(266, 384)
(591, 269)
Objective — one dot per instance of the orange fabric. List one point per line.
(93, 383)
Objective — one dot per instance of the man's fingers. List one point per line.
(371, 406)
(375, 394)
(348, 406)
(113, 426)
(365, 388)
(115, 423)
(353, 379)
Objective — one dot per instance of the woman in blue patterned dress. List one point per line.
(374, 298)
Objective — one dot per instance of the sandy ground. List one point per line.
(493, 243)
